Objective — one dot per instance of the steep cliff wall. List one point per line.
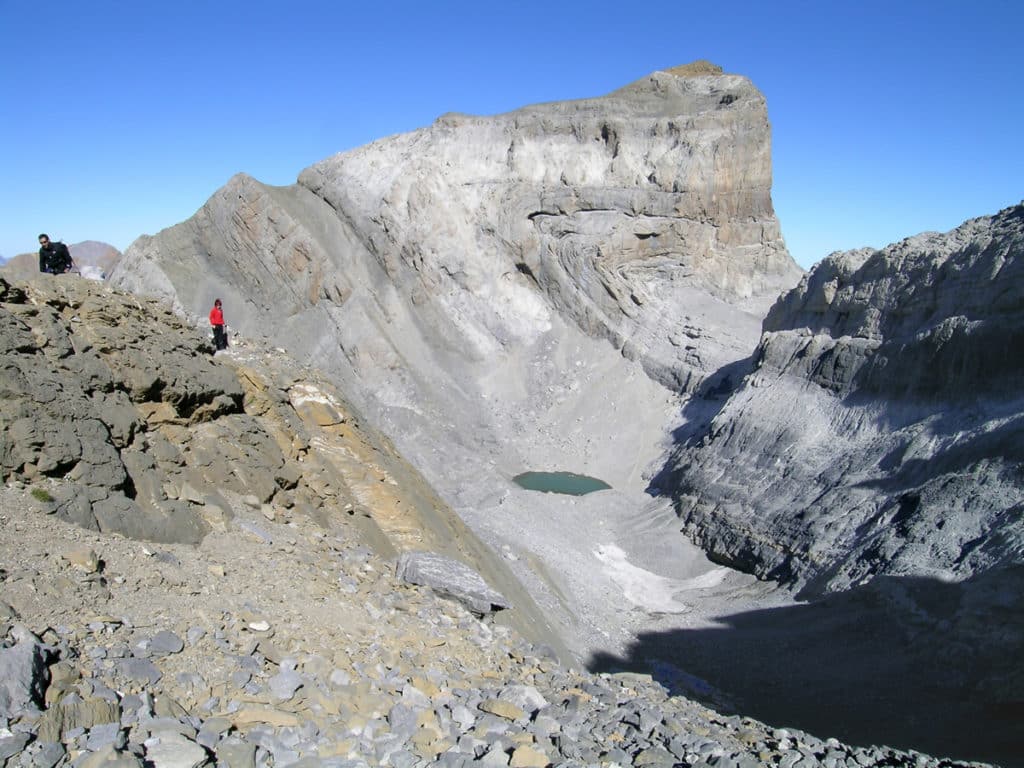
(883, 428)
(643, 217)
(637, 215)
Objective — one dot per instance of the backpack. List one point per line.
(61, 256)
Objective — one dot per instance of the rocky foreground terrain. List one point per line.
(236, 601)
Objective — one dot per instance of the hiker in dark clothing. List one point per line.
(54, 258)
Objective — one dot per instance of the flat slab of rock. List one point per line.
(23, 674)
(451, 578)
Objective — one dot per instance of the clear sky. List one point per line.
(121, 118)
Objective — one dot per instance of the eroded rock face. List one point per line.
(643, 217)
(85, 374)
(882, 429)
(626, 213)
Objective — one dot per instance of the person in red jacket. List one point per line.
(220, 339)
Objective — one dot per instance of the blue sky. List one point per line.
(121, 118)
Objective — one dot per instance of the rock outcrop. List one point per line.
(87, 380)
(122, 421)
(881, 429)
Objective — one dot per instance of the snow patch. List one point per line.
(646, 590)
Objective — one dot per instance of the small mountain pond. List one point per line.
(560, 482)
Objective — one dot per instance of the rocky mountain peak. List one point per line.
(608, 211)
(698, 68)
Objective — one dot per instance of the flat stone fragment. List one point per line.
(174, 751)
(23, 674)
(140, 670)
(165, 642)
(274, 717)
(451, 578)
(284, 684)
(235, 753)
(84, 559)
(13, 744)
(505, 709)
(528, 757)
(108, 757)
(43, 754)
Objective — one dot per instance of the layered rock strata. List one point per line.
(626, 213)
(495, 294)
(881, 431)
(643, 217)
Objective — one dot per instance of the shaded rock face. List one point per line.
(935, 317)
(882, 429)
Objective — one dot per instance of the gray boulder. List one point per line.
(451, 578)
(23, 673)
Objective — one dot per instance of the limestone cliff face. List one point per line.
(635, 215)
(640, 217)
(882, 429)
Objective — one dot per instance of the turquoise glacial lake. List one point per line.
(560, 482)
